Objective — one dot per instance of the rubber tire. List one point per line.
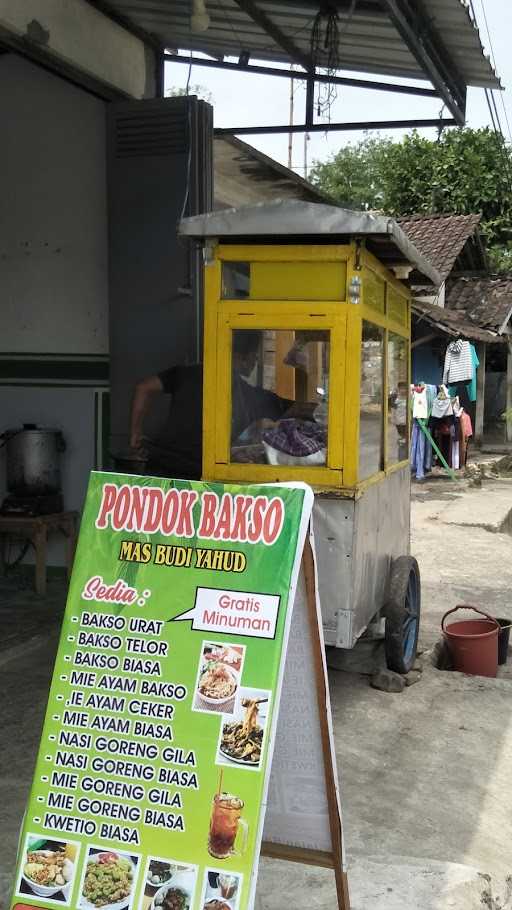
(404, 572)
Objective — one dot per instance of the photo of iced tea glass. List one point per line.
(227, 827)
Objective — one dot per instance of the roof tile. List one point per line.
(486, 302)
(440, 237)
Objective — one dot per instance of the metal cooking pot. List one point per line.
(33, 460)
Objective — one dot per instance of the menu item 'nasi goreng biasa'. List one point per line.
(108, 879)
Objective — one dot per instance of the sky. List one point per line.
(249, 100)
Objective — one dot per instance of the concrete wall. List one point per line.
(53, 265)
(73, 36)
(53, 214)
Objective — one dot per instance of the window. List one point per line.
(280, 391)
(372, 401)
(398, 399)
(236, 280)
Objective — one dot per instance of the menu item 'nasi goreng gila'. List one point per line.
(108, 879)
(216, 681)
(48, 867)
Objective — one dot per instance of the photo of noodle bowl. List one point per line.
(218, 677)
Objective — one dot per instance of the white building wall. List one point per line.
(53, 268)
(73, 34)
(53, 214)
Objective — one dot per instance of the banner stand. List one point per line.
(327, 859)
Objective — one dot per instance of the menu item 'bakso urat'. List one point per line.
(108, 879)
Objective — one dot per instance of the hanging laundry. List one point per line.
(476, 363)
(442, 406)
(458, 362)
(419, 402)
(418, 453)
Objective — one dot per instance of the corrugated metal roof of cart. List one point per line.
(314, 222)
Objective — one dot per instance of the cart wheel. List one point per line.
(403, 614)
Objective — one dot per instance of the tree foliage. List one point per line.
(466, 170)
(201, 91)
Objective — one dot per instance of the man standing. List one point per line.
(177, 452)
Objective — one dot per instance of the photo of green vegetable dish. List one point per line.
(108, 880)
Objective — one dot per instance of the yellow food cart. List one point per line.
(306, 377)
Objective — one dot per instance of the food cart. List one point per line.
(306, 377)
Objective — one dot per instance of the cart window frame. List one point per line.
(331, 318)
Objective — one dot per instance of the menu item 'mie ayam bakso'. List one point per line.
(216, 681)
(48, 867)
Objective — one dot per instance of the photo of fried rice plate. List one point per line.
(109, 879)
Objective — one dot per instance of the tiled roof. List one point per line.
(453, 322)
(441, 238)
(485, 301)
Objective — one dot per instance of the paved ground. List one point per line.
(425, 774)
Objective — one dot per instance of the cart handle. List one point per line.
(468, 607)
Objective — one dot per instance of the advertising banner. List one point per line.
(151, 779)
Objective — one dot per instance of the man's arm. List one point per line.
(145, 391)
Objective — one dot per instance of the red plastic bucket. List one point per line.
(473, 643)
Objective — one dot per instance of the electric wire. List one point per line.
(493, 57)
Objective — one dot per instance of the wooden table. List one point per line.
(36, 529)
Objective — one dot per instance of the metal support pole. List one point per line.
(480, 395)
(508, 421)
(310, 100)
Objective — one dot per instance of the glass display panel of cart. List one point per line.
(372, 401)
(398, 399)
(280, 391)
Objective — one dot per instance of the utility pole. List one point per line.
(306, 140)
(290, 135)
